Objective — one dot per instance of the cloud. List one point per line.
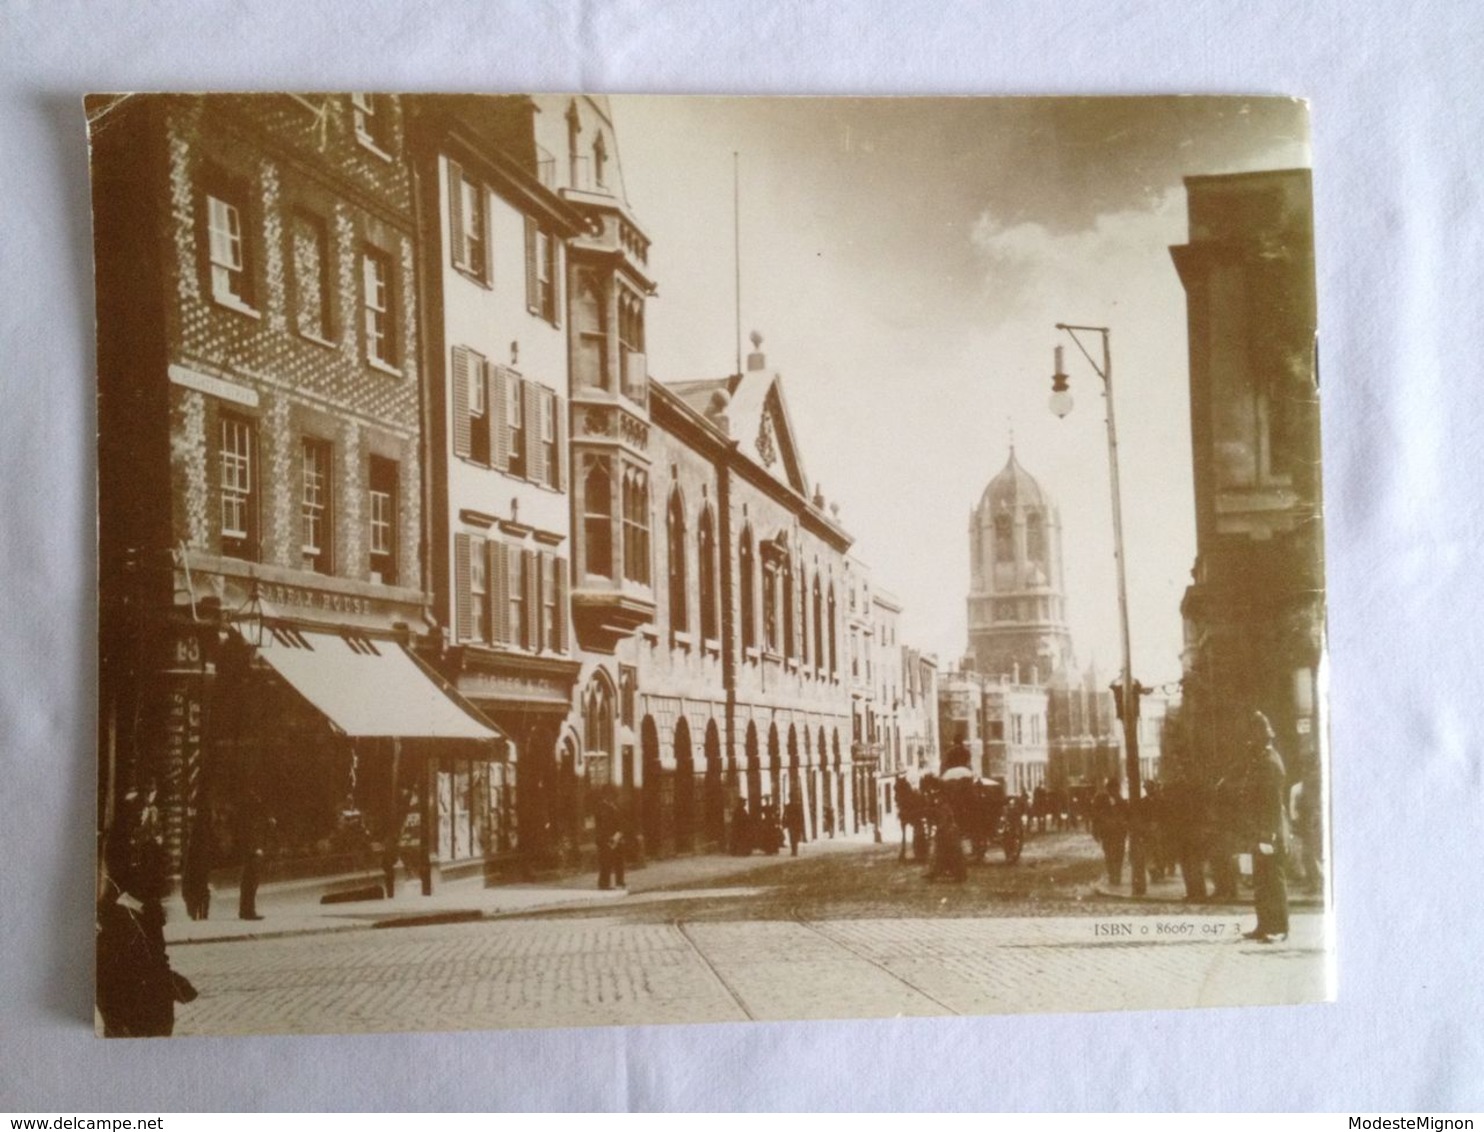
(1029, 267)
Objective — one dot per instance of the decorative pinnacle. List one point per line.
(756, 339)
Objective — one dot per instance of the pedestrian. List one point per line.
(948, 846)
(741, 829)
(252, 824)
(609, 834)
(1268, 818)
(793, 819)
(1110, 820)
(1224, 837)
(136, 989)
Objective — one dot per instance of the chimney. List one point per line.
(757, 359)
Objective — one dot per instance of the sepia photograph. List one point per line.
(569, 561)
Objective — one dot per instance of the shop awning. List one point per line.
(370, 688)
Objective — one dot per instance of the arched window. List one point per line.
(636, 526)
(675, 552)
(834, 657)
(803, 615)
(597, 520)
(1035, 538)
(706, 567)
(747, 569)
(1004, 540)
(597, 717)
(785, 568)
(818, 625)
(770, 603)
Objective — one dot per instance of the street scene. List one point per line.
(848, 932)
(569, 560)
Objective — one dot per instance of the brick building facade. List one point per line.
(260, 476)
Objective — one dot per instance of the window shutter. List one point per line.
(499, 573)
(457, 243)
(533, 295)
(463, 619)
(559, 410)
(557, 277)
(531, 578)
(497, 403)
(532, 401)
(561, 604)
(461, 401)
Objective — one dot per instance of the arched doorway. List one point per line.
(754, 767)
(652, 804)
(685, 789)
(715, 800)
(795, 786)
(840, 811)
(775, 766)
(811, 788)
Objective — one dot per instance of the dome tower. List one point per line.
(1017, 604)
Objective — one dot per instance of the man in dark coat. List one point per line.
(1110, 827)
(1267, 793)
(793, 821)
(609, 835)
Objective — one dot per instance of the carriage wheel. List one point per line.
(1012, 841)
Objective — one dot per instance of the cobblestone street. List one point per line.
(751, 951)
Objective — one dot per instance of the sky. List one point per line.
(907, 261)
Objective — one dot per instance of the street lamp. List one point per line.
(1061, 405)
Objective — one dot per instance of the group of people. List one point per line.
(759, 827)
(1202, 831)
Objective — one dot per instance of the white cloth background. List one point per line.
(1397, 114)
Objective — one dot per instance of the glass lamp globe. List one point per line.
(1061, 402)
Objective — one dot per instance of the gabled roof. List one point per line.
(756, 416)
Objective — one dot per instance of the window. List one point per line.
(636, 526)
(231, 278)
(477, 384)
(383, 520)
(597, 716)
(706, 557)
(517, 613)
(479, 608)
(590, 312)
(553, 468)
(834, 667)
(675, 554)
(748, 599)
(468, 224)
(238, 476)
(770, 605)
(631, 344)
(818, 626)
(553, 603)
(376, 300)
(541, 272)
(597, 521)
(515, 419)
(1035, 538)
(372, 121)
(1004, 540)
(312, 288)
(314, 506)
(785, 570)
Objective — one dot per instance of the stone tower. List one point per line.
(1017, 605)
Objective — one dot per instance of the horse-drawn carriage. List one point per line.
(979, 810)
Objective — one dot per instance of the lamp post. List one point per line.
(1061, 405)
